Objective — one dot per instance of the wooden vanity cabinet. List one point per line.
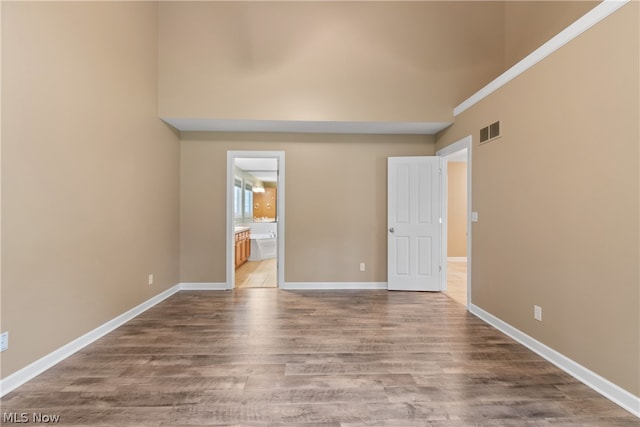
(243, 247)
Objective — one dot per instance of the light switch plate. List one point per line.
(537, 313)
(474, 216)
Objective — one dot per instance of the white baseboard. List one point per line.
(601, 385)
(457, 259)
(203, 286)
(20, 377)
(332, 285)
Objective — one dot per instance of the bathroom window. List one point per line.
(237, 199)
(248, 202)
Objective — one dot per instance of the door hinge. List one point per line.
(440, 268)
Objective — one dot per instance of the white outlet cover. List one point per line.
(4, 341)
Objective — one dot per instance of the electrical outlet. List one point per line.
(362, 266)
(4, 341)
(151, 279)
(537, 313)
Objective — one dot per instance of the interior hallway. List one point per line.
(457, 281)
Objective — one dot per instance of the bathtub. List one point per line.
(263, 246)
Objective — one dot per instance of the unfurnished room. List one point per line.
(320, 213)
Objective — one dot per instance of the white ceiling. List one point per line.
(220, 125)
(265, 169)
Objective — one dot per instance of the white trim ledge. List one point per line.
(302, 126)
(318, 286)
(591, 18)
(457, 259)
(606, 388)
(25, 374)
(203, 286)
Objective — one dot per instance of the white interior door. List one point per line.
(414, 223)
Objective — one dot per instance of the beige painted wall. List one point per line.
(89, 173)
(90, 177)
(335, 202)
(343, 61)
(529, 24)
(558, 200)
(457, 209)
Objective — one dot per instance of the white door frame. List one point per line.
(466, 142)
(231, 157)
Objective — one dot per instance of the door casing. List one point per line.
(464, 143)
(231, 156)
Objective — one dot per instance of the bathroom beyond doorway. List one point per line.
(257, 274)
(255, 206)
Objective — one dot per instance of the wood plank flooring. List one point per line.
(258, 357)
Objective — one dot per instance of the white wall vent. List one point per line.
(489, 133)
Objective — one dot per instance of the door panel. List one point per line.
(414, 226)
(402, 207)
(425, 214)
(425, 265)
(402, 256)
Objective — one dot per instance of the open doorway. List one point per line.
(255, 219)
(457, 212)
(457, 226)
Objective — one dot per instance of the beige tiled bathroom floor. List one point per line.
(257, 274)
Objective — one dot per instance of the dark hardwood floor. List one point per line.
(322, 358)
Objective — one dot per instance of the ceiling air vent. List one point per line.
(489, 133)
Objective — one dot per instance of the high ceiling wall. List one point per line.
(342, 61)
(529, 24)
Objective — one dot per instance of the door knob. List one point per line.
(391, 230)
